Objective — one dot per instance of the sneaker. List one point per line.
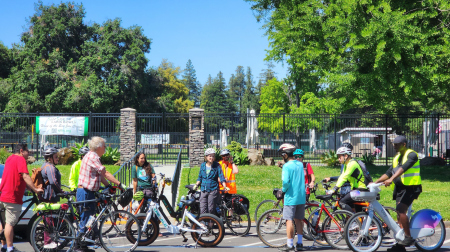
(299, 247)
(397, 248)
(408, 241)
(51, 245)
(4, 250)
(16, 250)
(287, 248)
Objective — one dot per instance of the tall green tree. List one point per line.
(237, 88)
(250, 100)
(191, 82)
(388, 55)
(214, 98)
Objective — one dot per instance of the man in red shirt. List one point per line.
(14, 181)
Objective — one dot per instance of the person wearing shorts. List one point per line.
(14, 181)
(294, 192)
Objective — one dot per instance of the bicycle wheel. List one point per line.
(124, 224)
(263, 206)
(109, 209)
(314, 230)
(148, 235)
(355, 238)
(271, 228)
(238, 219)
(388, 235)
(333, 228)
(55, 227)
(434, 242)
(215, 234)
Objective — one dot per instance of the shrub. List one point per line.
(4, 154)
(368, 159)
(329, 158)
(76, 149)
(240, 156)
(111, 156)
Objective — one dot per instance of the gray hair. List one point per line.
(96, 142)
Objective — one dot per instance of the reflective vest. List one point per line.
(229, 176)
(412, 175)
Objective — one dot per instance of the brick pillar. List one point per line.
(127, 134)
(196, 136)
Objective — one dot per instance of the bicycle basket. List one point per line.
(238, 207)
(126, 197)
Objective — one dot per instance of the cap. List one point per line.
(400, 139)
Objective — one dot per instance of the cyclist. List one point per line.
(293, 178)
(15, 179)
(52, 185)
(209, 177)
(142, 174)
(75, 169)
(309, 173)
(229, 169)
(404, 176)
(353, 174)
(346, 188)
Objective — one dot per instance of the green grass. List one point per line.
(257, 183)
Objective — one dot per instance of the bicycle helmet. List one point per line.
(210, 151)
(83, 151)
(50, 151)
(298, 152)
(126, 197)
(344, 150)
(348, 145)
(224, 152)
(286, 148)
(138, 195)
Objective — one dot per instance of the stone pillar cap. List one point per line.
(196, 110)
(128, 109)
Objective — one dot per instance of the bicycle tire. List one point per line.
(263, 209)
(235, 222)
(38, 229)
(215, 227)
(419, 245)
(124, 223)
(269, 226)
(100, 207)
(353, 236)
(148, 236)
(336, 223)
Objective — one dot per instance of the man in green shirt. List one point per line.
(75, 169)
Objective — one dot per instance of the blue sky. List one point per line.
(215, 35)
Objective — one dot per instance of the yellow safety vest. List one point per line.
(229, 176)
(412, 175)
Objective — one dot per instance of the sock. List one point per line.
(299, 239)
(290, 242)
(10, 249)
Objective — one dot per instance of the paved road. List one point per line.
(169, 243)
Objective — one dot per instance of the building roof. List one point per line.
(363, 129)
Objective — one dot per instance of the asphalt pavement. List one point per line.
(249, 243)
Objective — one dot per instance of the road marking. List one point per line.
(447, 241)
(229, 238)
(262, 242)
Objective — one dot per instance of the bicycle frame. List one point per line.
(316, 228)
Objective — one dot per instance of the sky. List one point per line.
(215, 35)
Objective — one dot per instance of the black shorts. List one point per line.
(406, 197)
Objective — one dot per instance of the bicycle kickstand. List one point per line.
(197, 240)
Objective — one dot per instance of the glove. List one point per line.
(138, 196)
(330, 191)
(112, 190)
(226, 188)
(123, 187)
(195, 188)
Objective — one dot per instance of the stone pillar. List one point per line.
(196, 136)
(127, 134)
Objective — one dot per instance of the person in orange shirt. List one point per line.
(229, 169)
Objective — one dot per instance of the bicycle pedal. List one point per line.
(185, 240)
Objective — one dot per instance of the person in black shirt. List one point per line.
(405, 174)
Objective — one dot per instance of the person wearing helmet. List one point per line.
(294, 191)
(404, 174)
(310, 179)
(352, 173)
(209, 177)
(75, 169)
(51, 178)
(346, 188)
(229, 170)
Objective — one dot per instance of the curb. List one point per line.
(447, 224)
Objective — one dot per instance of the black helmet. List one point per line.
(50, 151)
(348, 145)
(126, 197)
(83, 151)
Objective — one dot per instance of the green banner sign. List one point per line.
(62, 125)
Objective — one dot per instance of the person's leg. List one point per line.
(402, 209)
(288, 215)
(204, 202)
(346, 202)
(3, 218)
(12, 213)
(212, 199)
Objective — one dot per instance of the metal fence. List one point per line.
(163, 134)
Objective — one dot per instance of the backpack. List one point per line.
(37, 179)
(367, 177)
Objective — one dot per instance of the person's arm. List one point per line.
(51, 176)
(286, 180)
(135, 183)
(109, 177)
(220, 174)
(134, 178)
(199, 179)
(311, 173)
(234, 167)
(105, 182)
(346, 175)
(26, 177)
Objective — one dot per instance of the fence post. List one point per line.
(232, 125)
(37, 140)
(196, 136)
(89, 124)
(335, 134)
(386, 139)
(284, 127)
(127, 134)
(438, 134)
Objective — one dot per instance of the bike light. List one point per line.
(241, 199)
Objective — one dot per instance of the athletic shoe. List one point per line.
(16, 250)
(299, 247)
(397, 248)
(408, 241)
(4, 250)
(51, 245)
(287, 248)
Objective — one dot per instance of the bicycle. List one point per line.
(203, 227)
(111, 231)
(362, 231)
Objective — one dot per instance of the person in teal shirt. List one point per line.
(142, 173)
(294, 191)
(75, 169)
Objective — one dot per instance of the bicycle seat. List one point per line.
(190, 187)
(324, 197)
(189, 202)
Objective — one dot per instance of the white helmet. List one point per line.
(344, 150)
(210, 151)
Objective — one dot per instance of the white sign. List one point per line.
(62, 125)
(155, 138)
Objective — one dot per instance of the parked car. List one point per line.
(24, 224)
